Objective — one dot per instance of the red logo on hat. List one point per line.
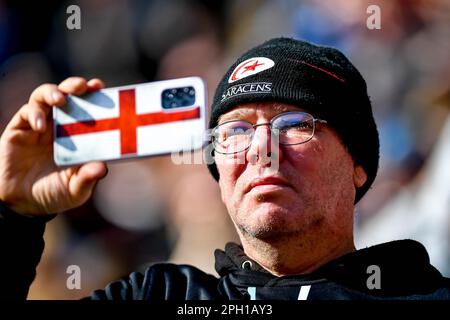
(250, 67)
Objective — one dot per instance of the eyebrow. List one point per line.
(281, 108)
(235, 114)
(239, 114)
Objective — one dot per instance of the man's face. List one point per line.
(313, 189)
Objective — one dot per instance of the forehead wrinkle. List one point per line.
(279, 108)
(235, 114)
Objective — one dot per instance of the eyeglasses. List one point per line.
(291, 128)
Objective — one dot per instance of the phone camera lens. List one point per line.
(178, 97)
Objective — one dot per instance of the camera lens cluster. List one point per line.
(178, 97)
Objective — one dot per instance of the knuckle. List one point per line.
(31, 111)
(41, 90)
(10, 136)
(46, 87)
(24, 107)
(25, 110)
(77, 80)
(72, 84)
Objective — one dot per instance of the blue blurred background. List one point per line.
(152, 210)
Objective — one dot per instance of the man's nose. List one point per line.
(264, 147)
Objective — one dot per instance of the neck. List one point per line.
(295, 256)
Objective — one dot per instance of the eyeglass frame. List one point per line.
(314, 120)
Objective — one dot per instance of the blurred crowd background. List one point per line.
(151, 210)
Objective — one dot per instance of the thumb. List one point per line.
(83, 181)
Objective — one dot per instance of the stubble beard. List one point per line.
(276, 228)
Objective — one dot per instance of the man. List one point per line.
(295, 147)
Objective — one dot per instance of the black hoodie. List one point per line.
(394, 270)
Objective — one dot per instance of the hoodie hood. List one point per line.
(400, 267)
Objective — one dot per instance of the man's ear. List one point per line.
(359, 176)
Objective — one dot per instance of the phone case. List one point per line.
(148, 119)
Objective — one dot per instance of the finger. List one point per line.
(39, 105)
(30, 116)
(36, 116)
(92, 171)
(95, 84)
(83, 181)
(73, 85)
(47, 95)
(52, 95)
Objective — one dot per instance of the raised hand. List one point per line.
(30, 182)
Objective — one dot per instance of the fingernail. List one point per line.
(39, 123)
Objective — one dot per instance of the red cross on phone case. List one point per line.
(155, 118)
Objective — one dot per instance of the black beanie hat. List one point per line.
(316, 78)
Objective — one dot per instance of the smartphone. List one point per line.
(127, 122)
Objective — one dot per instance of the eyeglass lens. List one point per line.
(290, 128)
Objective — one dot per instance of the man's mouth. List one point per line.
(267, 184)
